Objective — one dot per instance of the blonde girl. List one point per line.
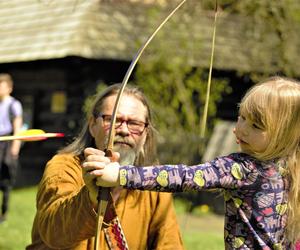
(260, 183)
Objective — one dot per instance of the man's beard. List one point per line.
(127, 154)
(127, 150)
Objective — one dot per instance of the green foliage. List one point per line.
(280, 18)
(177, 95)
(277, 25)
(177, 92)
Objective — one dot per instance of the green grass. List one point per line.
(203, 241)
(201, 230)
(16, 230)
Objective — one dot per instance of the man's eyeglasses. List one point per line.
(134, 126)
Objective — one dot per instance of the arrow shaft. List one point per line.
(26, 137)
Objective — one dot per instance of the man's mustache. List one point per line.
(122, 140)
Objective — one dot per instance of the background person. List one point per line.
(11, 121)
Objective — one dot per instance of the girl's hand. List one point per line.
(109, 175)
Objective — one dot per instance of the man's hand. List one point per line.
(94, 162)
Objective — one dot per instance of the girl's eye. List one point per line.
(256, 126)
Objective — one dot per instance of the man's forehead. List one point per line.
(129, 105)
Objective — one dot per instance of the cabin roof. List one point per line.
(37, 30)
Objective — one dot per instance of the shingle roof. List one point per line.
(44, 29)
(32, 30)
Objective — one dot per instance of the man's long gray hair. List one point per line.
(147, 156)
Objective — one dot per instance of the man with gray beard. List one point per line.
(67, 196)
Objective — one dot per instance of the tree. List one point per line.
(277, 25)
(176, 90)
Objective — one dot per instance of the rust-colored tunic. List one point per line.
(65, 218)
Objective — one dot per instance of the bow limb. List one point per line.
(204, 117)
(103, 193)
(129, 72)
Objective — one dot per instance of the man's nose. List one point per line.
(123, 128)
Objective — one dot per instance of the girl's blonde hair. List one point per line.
(275, 106)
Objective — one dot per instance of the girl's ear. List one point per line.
(92, 126)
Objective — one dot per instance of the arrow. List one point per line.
(31, 135)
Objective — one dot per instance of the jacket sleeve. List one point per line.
(224, 172)
(64, 212)
(164, 229)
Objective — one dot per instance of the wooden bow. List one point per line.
(103, 193)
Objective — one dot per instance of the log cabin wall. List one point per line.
(37, 85)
